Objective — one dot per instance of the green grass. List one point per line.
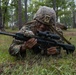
(5, 42)
(36, 64)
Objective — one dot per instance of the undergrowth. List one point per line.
(36, 64)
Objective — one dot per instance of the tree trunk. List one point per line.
(54, 5)
(26, 17)
(74, 19)
(4, 12)
(55, 8)
(1, 23)
(19, 14)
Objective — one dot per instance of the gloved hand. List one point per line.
(52, 51)
(29, 44)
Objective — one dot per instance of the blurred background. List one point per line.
(15, 13)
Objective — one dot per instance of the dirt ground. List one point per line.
(70, 33)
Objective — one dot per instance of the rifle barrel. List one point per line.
(5, 33)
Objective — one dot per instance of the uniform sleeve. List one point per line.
(15, 47)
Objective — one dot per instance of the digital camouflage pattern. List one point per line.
(61, 26)
(15, 47)
(44, 15)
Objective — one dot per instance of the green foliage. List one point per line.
(67, 20)
(63, 7)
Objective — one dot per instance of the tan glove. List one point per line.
(51, 51)
(29, 44)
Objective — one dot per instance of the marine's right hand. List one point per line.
(29, 44)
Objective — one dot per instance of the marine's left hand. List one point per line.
(51, 51)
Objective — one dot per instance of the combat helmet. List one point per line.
(45, 15)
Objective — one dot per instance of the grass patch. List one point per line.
(36, 64)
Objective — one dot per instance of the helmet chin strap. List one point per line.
(30, 22)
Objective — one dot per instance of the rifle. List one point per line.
(43, 38)
(52, 28)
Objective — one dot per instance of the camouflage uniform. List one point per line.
(15, 47)
(43, 15)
